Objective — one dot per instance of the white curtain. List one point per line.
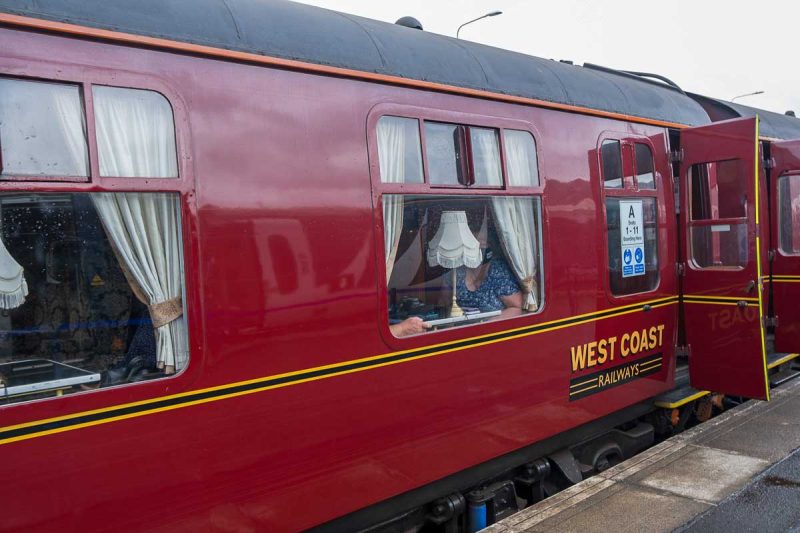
(515, 217)
(13, 287)
(522, 168)
(135, 133)
(515, 223)
(391, 156)
(144, 229)
(135, 138)
(486, 152)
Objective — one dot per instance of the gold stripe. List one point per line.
(758, 266)
(582, 383)
(773, 280)
(682, 401)
(648, 363)
(785, 359)
(649, 367)
(734, 304)
(573, 393)
(731, 298)
(587, 317)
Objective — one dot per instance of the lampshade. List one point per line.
(454, 245)
(13, 288)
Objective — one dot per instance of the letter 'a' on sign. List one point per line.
(631, 227)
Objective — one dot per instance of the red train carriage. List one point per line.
(247, 250)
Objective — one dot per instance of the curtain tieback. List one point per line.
(528, 285)
(162, 313)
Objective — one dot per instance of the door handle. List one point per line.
(741, 303)
(751, 285)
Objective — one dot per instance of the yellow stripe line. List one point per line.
(587, 319)
(713, 303)
(682, 401)
(785, 359)
(582, 383)
(648, 363)
(773, 280)
(573, 393)
(650, 367)
(731, 298)
(758, 267)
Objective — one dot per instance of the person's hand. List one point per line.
(410, 326)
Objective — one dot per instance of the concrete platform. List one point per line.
(738, 472)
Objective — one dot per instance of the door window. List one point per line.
(718, 209)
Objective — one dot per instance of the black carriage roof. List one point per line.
(289, 30)
(772, 125)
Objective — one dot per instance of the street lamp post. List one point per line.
(748, 94)
(492, 14)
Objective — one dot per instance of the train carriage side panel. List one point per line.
(287, 251)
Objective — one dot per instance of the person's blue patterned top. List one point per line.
(500, 281)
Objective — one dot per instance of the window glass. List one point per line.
(487, 247)
(645, 176)
(521, 165)
(399, 150)
(445, 148)
(91, 292)
(632, 244)
(719, 245)
(42, 129)
(719, 190)
(612, 164)
(486, 157)
(789, 214)
(135, 133)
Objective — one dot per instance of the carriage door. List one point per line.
(722, 298)
(786, 244)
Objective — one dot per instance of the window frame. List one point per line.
(779, 212)
(81, 86)
(709, 222)
(183, 185)
(379, 188)
(85, 81)
(629, 190)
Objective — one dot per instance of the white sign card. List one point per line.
(631, 230)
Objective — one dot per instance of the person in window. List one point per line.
(489, 287)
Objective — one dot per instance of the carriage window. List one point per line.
(521, 164)
(718, 225)
(91, 291)
(486, 157)
(446, 149)
(632, 244)
(456, 260)
(135, 133)
(611, 153)
(789, 214)
(719, 190)
(401, 135)
(645, 177)
(42, 129)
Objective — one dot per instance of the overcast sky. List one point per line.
(712, 47)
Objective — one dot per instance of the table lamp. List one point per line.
(453, 246)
